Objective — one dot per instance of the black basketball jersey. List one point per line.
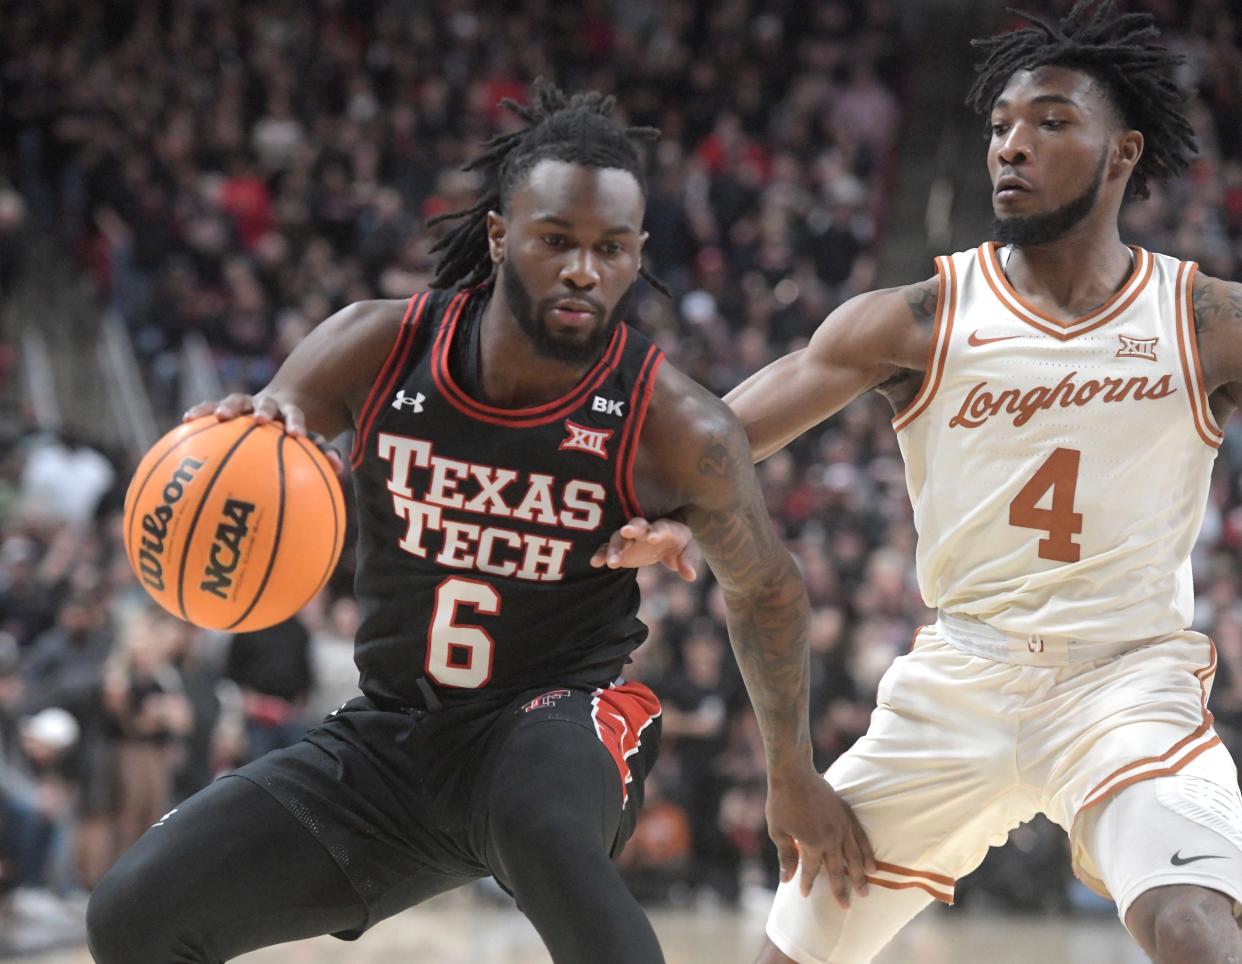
(477, 523)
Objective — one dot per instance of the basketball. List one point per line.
(233, 525)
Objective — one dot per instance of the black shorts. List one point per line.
(400, 798)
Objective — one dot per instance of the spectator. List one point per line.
(240, 172)
(273, 668)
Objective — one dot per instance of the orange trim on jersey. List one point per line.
(1023, 310)
(1200, 410)
(907, 884)
(1202, 734)
(1152, 774)
(938, 351)
(907, 872)
(390, 371)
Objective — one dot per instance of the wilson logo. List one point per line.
(983, 403)
(583, 439)
(226, 548)
(155, 523)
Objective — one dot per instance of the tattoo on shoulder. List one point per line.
(1216, 302)
(921, 299)
(716, 461)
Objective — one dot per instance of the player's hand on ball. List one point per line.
(641, 543)
(265, 408)
(812, 826)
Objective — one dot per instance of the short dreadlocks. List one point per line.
(1120, 53)
(578, 129)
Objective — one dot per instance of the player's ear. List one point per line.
(496, 236)
(1129, 150)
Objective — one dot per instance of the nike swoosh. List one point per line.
(975, 341)
(1177, 860)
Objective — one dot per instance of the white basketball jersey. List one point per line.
(1059, 470)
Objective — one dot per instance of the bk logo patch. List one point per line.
(583, 439)
(1137, 347)
(544, 701)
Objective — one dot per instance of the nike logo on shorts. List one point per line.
(1177, 860)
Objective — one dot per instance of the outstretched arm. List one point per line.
(697, 450)
(874, 339)
(325, 378)
(877, 340)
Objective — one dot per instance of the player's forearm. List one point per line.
(768, 631)
(762, 406)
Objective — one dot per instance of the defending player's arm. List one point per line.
(698, 450)
(1218, 329)
(880, 339)
(873, 339)
(326, 377)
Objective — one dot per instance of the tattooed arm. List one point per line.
(1218, 330)
(694, 458)
(880, 339)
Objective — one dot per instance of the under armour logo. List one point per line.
(1137, 348)
(583, 439)
(1034, 644)
(415, 403)
(607, 406)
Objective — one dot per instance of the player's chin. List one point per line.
(1014, 203)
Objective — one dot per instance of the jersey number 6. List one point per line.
(1060, 474)
(461, 656)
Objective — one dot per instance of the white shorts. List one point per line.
(961, 749)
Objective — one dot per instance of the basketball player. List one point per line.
(1058, 399)
(504, 421)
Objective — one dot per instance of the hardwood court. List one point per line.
(461, 929)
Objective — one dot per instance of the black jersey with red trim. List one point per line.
(477, 523)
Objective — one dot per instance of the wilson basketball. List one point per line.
(233, 525)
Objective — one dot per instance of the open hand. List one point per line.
(812, 826)
(264, 409)
(641, 543)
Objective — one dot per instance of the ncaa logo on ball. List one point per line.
(227, 548)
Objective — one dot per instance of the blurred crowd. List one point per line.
(240, 171)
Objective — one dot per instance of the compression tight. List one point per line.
(232, 871)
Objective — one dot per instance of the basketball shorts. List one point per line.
(400, 798)
(1119, 751)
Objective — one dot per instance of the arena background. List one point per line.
(187, 188)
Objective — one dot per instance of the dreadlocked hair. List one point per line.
(1119, 52)
(577, 129)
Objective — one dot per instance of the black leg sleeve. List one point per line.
(555, 805)
(228, 872)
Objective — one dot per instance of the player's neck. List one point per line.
(512, 374)
(1073, 275)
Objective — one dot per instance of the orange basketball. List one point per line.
(233, 525)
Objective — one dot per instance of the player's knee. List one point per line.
(113, 920)
(542, 834)
(1180, 925)
(122, 924)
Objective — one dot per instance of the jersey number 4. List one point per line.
(458, 655)
(1059, 473)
